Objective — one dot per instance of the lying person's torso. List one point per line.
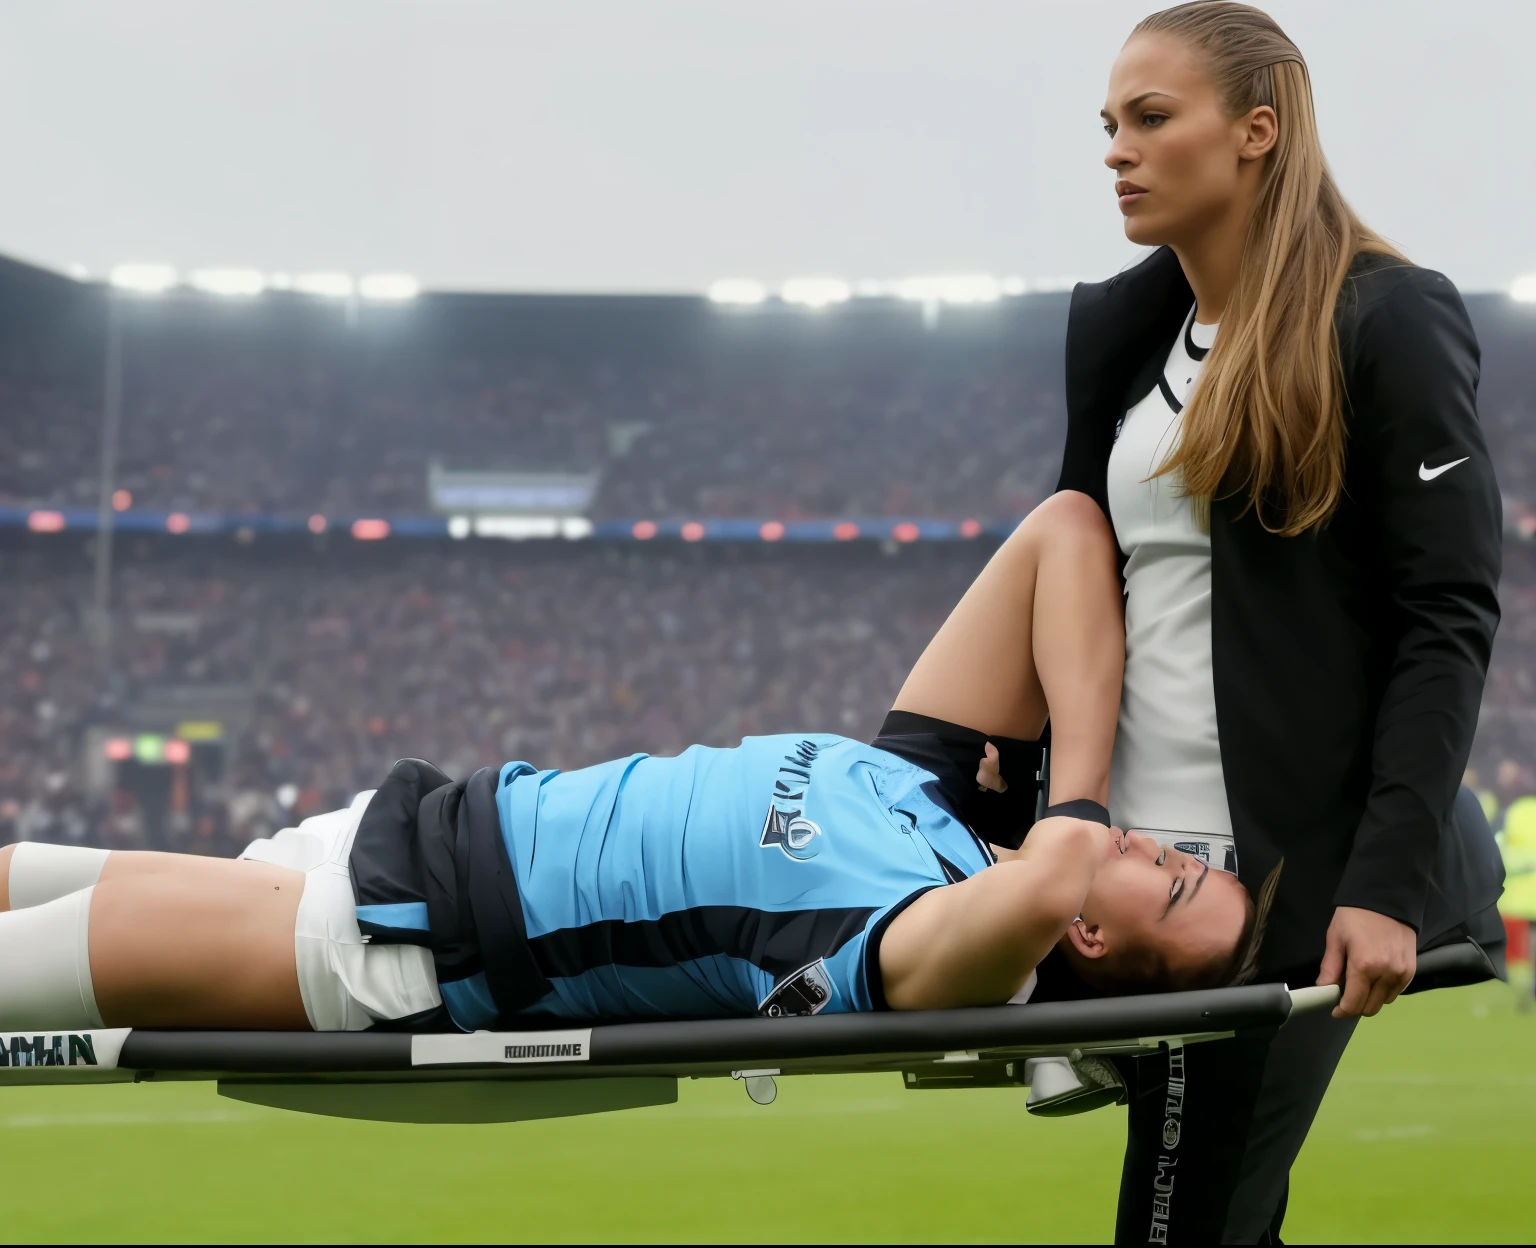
(724, 882)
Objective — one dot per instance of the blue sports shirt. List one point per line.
(721, 882)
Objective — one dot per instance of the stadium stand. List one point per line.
(292, 671)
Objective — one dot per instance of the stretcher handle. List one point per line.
(1318, 997)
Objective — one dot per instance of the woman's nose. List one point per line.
(1119, 155)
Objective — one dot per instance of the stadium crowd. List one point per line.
(341, 658)
(350, 657)
(354, 658)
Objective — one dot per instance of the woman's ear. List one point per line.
(1261, 132)
(1086, 938)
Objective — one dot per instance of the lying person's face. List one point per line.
(1157, 919)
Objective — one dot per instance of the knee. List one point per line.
(1070, 520)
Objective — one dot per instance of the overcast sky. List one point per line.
(662, 144)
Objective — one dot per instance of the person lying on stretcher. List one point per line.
(790, 875)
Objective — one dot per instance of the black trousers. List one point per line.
(1213, 1131)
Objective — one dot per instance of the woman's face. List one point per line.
(1148, 897)
(1178, 158)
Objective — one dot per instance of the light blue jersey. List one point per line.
(722, 882)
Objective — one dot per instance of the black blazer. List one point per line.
(1348, 663)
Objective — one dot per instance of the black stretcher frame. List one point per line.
(495, 1077)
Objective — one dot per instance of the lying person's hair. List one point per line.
(1144, 968)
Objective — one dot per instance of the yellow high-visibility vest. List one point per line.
(1517, 842)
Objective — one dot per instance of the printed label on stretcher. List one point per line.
(501, 1048)
(99, 1048)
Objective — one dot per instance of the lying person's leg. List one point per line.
(1040, 634)
(32, 872)
(195, 943)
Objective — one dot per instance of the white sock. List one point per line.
(45, 966)
(42, 873)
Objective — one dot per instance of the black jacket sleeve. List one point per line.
(1422, 476)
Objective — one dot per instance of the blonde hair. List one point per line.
(1267, 417)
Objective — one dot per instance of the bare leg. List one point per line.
(200, 942)
(1039, 635)
(125, 863)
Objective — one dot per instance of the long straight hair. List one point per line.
(1266, 417)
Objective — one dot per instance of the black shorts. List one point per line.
(953, 752)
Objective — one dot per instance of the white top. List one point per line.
(1166, 771)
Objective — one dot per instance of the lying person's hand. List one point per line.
(990, 774)
(1372, 955)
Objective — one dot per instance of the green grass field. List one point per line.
(1429, 1134)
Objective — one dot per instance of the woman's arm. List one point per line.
(1427, 487)
(975, 942)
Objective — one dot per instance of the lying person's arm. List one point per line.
(975, 942)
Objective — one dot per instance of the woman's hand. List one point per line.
(1372, 956)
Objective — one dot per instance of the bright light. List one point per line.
(738, 290)
(1523, 289)
(317, 523)
(693, 531)
(643, 530)
(370, 530)
(45, 521)
(906, 531)
(389, 286)
(814, 292)
(147, 279)
(177, 752)
(1014, 286)
(178, 522)
(326, 285)
(281, 281)
(771, 531)
(78, 272)
(228, 281)
(976, 288)
(118, 749)
(122, 500)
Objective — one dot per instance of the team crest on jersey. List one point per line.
(785, 827)
(807, 991)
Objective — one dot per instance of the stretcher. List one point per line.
(1062, 1051)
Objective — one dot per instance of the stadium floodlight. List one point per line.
(739, 290)
(977, 288)
(326, 285)
(144, 279)
(815, 292)
(389, 287)
(233, 282)
(1523, 289)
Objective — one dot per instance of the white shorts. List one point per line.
(347, 983)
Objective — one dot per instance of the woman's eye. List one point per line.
(1109, 129)
(1153, 119)
(1162, 858)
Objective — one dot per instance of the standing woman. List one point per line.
(1277, 411)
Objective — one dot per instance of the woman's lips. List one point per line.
(1129, 193)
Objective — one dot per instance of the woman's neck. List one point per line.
(1212, 259)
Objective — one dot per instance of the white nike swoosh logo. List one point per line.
(1429, 474)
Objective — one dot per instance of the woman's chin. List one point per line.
(1143, 233)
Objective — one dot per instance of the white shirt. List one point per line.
(1166, 771)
